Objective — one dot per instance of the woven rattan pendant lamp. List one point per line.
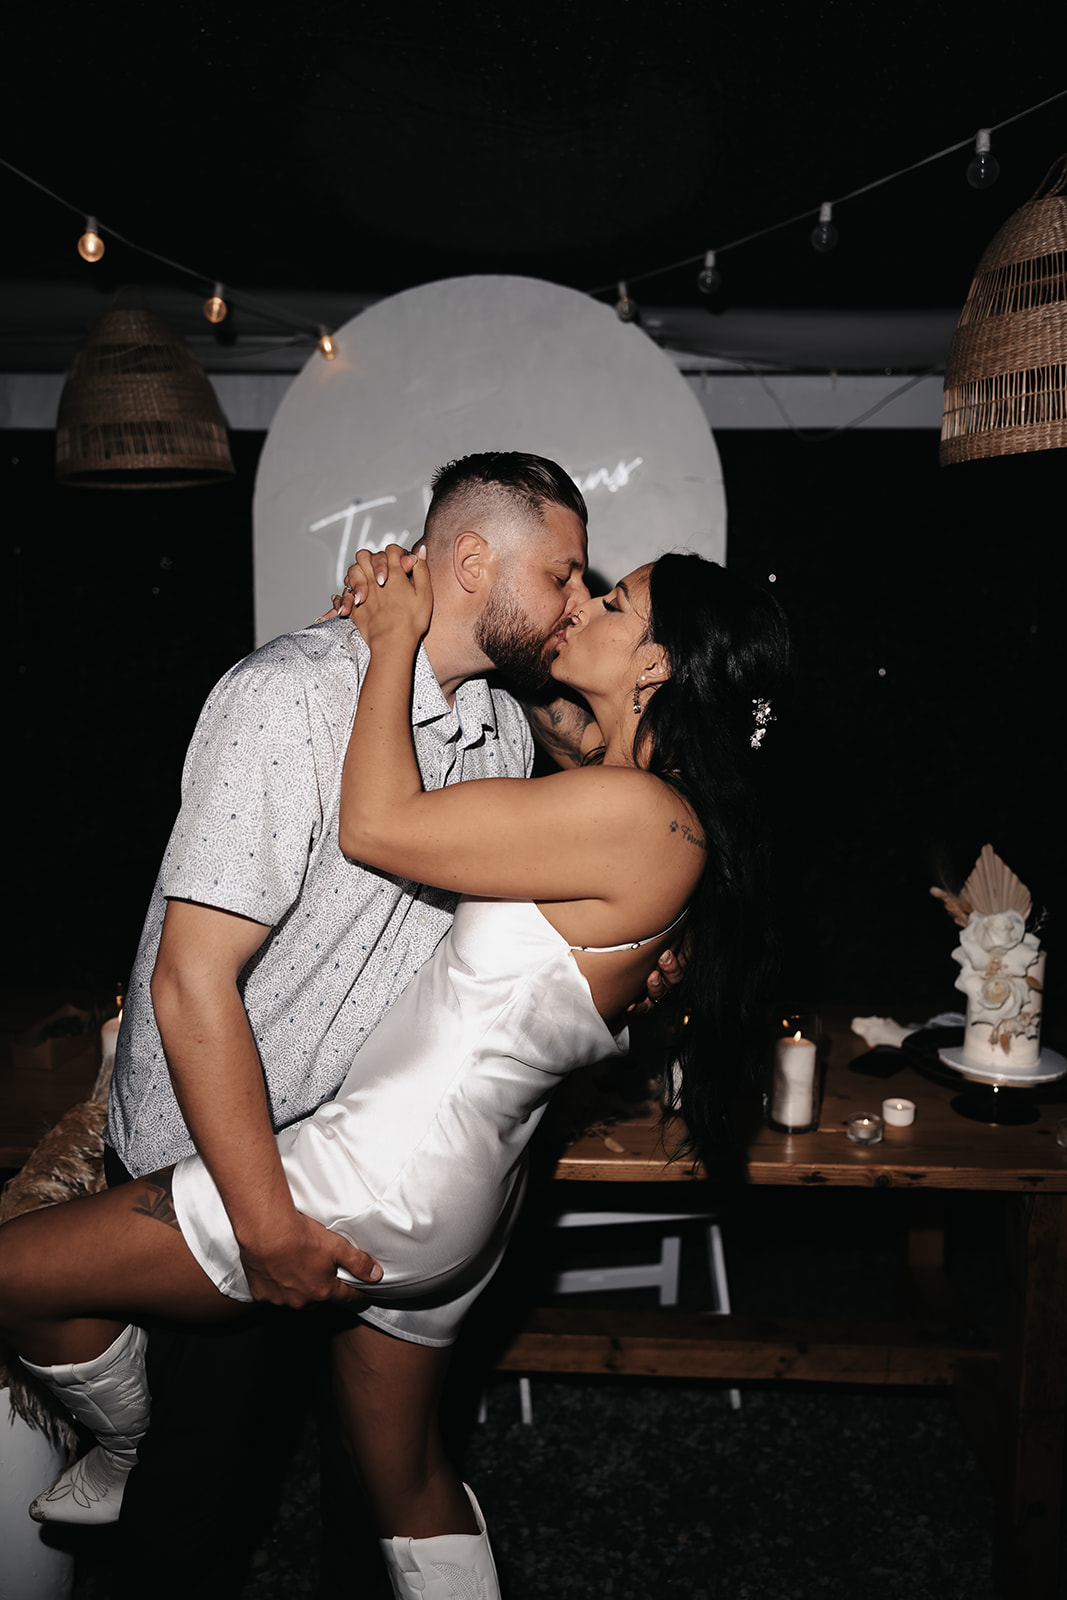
(137, 411)
(1006, 376)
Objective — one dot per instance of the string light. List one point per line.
(626, 309)
(257, 306)
(90, 245)
(215, 307)
(984, 168)
(709, 277)
(981, 172)
(824, 234)
(801, 216)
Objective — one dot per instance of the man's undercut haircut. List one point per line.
(492, 477)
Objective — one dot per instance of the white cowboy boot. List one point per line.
(109, 1395)
(453, 1566)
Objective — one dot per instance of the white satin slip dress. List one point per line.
(419, 1158)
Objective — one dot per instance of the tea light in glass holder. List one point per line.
(898, 1113)
(863, 1127)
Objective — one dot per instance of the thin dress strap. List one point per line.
(630, 944)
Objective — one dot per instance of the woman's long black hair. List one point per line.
(728, 647)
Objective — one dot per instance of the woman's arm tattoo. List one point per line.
(560, 728)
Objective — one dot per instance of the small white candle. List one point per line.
(898, 1113)
(793, 1082)
(109, 1038)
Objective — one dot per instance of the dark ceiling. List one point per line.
(368, 148)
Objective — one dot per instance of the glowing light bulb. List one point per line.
(709, 278)
(327, 348)
(984, 168)
(215, 307)
(90, 245)
(824, 234)
(626, 309)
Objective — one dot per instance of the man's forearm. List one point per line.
(218, 1083)
(212, 1056)
(288, 1259)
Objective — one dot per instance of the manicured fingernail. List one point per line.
(357, 599)
(668, 958)
(374, 1274)
(381, 579)
(421, 552)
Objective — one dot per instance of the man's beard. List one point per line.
(505, 636)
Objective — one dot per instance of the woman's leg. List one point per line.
(107, 1254)
(387, 1393)
(73, 1275)
(434, 1540)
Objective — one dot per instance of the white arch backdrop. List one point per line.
(479, 363)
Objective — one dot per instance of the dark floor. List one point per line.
(639, 1490)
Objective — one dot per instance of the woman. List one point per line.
(574, 885)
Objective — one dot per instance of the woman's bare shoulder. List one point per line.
(642, 797)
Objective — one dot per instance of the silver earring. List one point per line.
(637, 703)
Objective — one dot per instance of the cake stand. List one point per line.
(992, 1101)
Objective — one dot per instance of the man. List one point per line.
(267, 958)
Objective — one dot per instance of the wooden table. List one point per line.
(1013, 1396)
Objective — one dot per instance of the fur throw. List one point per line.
(68, 1162)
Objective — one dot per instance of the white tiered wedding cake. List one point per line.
(1002, 968)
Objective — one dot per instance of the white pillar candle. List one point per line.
(793, 1082)
(898, 1113)
(109, 1036)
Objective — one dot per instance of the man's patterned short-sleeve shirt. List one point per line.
(257, 835)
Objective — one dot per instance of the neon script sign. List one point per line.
(356, 522)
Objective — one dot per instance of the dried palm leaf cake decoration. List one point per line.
(1002, 966)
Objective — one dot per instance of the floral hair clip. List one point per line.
(761, 712)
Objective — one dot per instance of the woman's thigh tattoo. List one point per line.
(157, 1201)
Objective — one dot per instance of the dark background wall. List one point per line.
(926, 605)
